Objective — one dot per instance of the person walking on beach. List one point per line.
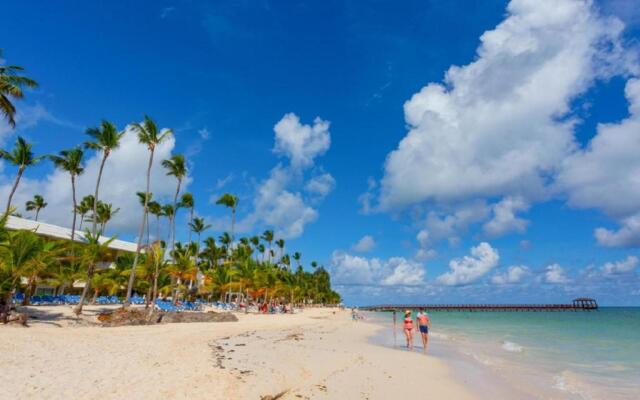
(408, 329)
(422, 319)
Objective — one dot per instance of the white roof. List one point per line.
(60, 232)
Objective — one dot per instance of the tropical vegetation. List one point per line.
(161, 266)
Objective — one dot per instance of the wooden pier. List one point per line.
(579, 304)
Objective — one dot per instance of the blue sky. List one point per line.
(496, 158)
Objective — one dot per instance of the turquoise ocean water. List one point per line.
(564, 355)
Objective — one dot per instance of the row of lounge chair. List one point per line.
(72, 299)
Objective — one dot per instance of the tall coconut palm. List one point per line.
(280, 244)
(22, 157)
(92, 252)
(70, 161)
(144, 199)
(36, 204)
(104, 215)
(268, 236)
(169, 212)
(151, 136)
(11, 84)
(155, 209)
(106, 138)
(297, 256)
(82, 209)
(230, 201)
(198, 226)
(187, 201)
(176, 166)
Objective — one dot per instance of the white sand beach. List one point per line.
(317, 354)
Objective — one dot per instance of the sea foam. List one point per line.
(512, 347)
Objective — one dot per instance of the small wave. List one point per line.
(569, 382)
(512, 347)
(438, 335)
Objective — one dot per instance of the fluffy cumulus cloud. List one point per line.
(365, 244)
(447, 225)
(504, 218)
(554, 274)
(285, 201)
(620, 267)
(502, 126)
(320, 185)
(469, 269)
(605, 174)
(348, 269)
(124, 174)
(513, 274)
(299, 142)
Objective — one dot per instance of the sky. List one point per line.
(422, 151)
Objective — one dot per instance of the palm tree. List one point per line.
(280, 244)
(22, 157)
(86, 205)
(151, 136)
(144, 199)
(169, 212)
(230, 201)
(267, 236)
(187, 201)
(106, 138)
(71, 162)
(105, 214)
(93, 251)
(198, 226)
(176, 166)
(155, 209)
(36, 204)
(11, 85)
(297, 256)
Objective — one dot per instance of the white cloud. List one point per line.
(320, 185)
(605, 174)
(442, 225)
(124, 175)
(354, 270)
(204, 133)
(277, 207)
(301, 143)
(504, 219)
(513, 274)
(620, 267)
(503, 126)
(285, 201)
(403, 272)
(424, 252)
(365, 244)
(490, 130)
(555, 274)
(469, 269)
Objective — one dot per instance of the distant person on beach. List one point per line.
(422, 319)
(408, 329)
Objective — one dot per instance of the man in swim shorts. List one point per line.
(423, 322)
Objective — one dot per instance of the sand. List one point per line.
(316, 354)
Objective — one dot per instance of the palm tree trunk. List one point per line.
(158, 238)
(37, 213)
(175, 214)
(233, 223)
(81, 221)
(13, 189)
(85, 290)
(73, 196)
(132, 275)
(190, 221)
(95, 195)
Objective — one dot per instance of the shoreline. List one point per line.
(318, 353)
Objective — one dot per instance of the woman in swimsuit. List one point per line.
(408, 329)
(422, 319)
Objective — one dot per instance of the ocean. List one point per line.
(564, 355)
